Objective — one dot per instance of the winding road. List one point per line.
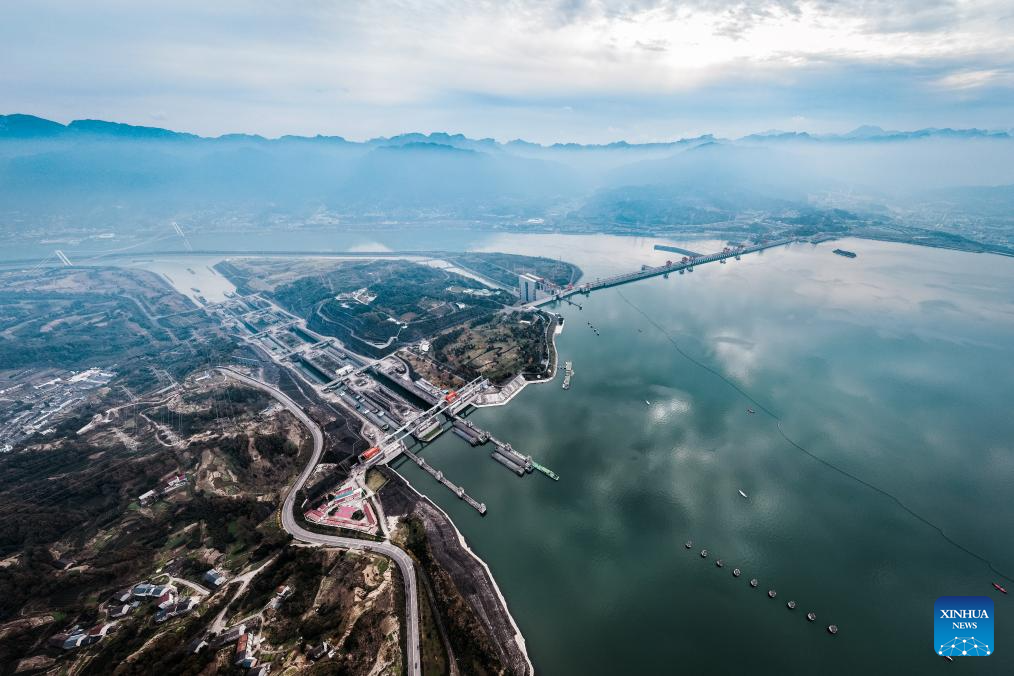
(292, 526)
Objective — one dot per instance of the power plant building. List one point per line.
(528, 286)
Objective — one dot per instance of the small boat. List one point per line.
(689, 544)
(647, 402)
(743, 494)
(704, 553)
(999, 588)
(719, 563)
(948, 658)
(754, 583)
(735, 572)
(832, 629)
(750, 410)
(811, 616)
(772, 593)
(791, 605)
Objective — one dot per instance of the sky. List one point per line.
(544, 70)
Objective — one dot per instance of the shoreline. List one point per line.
(555, 363)
(519, 638)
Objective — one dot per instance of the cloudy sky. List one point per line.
(545, 70)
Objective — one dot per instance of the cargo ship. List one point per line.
(545, 470)
(845, 253)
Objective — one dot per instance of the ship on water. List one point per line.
(845, 253)
(568, 373)
(545, 470)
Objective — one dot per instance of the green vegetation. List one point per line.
(497, 347)
(470, 643)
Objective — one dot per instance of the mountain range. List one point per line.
(21, 126)
(93, 174)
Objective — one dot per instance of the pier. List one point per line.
(507, 452)
(439, 476)
(568, 372)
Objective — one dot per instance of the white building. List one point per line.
(527, 287)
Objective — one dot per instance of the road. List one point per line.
(292, 526)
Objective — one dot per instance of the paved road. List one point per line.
(291, 525)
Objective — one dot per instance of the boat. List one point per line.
(832, 629)
(647, 402)
(735, 572)
(791, 605)
(811, 616)
(754, 583)
(689, 544)
(772, 593)
(719, 563)
(999, 588)
(845, 253)
(704, 553)
(948, 658)
(743, 494)
(750, 410)
(545, 470)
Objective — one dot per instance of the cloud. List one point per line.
(371, 67)
(974, 79)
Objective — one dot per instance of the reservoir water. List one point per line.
(893, 369)
(892, 375)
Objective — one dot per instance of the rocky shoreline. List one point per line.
(470, 574)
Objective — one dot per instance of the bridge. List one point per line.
(391, 447)
(688, 263)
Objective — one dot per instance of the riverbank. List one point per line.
(506, 393)
(470, 574)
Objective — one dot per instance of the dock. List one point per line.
(506, 462)
(439, 476)
(469, 432)
(507, 452)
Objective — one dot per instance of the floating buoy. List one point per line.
(735, 572)
(704, 553)
(689, 544)
(753, 582)
(791, 605)
(772, 593)
(719, 563)
(811, 616)
(832, 629)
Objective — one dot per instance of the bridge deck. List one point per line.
(625, 278)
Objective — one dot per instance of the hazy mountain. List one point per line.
(105, 174)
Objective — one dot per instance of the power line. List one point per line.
(803, 449)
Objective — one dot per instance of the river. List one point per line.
(893, 367)
(881, 384)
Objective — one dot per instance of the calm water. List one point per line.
(895, 366)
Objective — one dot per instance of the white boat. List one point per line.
(647, 402)
(744, 494)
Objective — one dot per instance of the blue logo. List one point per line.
(963, 626)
